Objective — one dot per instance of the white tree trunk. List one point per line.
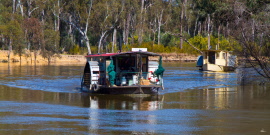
(87, 44)
(58, 19)
(86, 29)
(159, 26)
(21, 7)
(100, 40)
(13, 6)
(196, 25)
(114, 39)
(140, 38)
(208, 29)
(126, 29)
(218, 37)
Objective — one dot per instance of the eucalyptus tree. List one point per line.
(109, 16)
(181, 15)
(12, 33)
(204, 9)
(252, 30)
(161, 15)
(128, 18)
(10, 28)
(222, 17)
(77, 14)
(34, 34)
(50, 47)
(102, 15)
(142, 13)
(116, 8)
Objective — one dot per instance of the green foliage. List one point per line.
(75, 50)
(50, 47)
(34, 33)
(109, 48)
(94, 49)
(199, 41)
(152, 48)
(66, 43)
(166, 39)
(59, 26)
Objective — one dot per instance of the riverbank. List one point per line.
(63, 58)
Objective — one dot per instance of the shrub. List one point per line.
(74, 50)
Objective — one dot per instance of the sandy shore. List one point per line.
(39, 59)
(81, 58)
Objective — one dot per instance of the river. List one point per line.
(46, 99)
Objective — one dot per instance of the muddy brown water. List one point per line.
(46, 99)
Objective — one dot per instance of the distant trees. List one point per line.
(51, 27)
(252, 31)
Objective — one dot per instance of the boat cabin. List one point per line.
(123, 73)
(216, 60)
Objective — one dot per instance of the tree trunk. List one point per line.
(87, 44)
(181, 37)
(100, 40)
(218, 38)
(182, 22)
(159, 26)
(124, 32)
(196, 25)
(208, 31)
(9, 49)
(253, 29)
(70, 26)
(140, 38)
(58, 19)
(21, 7)
(86, 29)
(126, 29)
(114, 39)
(154, 37)
(199, 28)
(13, 6)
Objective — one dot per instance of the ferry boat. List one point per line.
(134, 72)
(216, 60)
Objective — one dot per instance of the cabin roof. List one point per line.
(214, 51)
(124, 53)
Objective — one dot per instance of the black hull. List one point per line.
(136, 89)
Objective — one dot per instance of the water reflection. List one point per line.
(122, 113)
(219, 98)
(124, 102)
(42, 100)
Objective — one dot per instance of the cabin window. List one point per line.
(125, 63)
(224, 56)
(212, 57)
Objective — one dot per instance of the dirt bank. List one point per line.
(40, 59)
(81, 58)
(183, 57)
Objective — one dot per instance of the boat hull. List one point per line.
(135, 89)
(218, 68)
